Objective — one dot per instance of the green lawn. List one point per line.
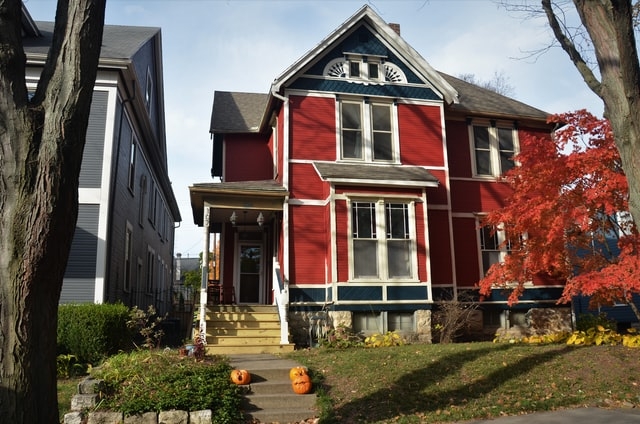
(457, 382)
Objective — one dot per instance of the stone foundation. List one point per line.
(301, 321)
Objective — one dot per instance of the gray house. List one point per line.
(123, 245)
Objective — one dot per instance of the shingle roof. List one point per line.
(374, 174)
(478, 100)
(243, 112)
(237, 112)
(118, 41)
(235, 187)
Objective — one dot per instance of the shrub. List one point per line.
(152, 381)
(91, 332)
(384, 340)
(586, 321)
(67, 366)
(341, 337)
(148, 325)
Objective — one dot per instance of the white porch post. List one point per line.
(205, 279)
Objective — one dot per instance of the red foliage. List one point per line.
(566, 194)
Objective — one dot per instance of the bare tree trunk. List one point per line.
(610, 27)
(41, 145)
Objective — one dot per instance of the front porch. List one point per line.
(244, 309)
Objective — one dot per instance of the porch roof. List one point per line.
(246, 195)
(350, 173)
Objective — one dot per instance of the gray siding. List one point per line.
(82, 259)
(79, 278)
(91, 170)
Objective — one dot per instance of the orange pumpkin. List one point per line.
(302, 385)
(240, 377)
(297, 372)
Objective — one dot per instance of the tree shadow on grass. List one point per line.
(405, 396)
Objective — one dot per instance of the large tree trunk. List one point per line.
(41, 145)
(610, 27)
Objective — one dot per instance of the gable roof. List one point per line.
(367, 15)
(235, 112)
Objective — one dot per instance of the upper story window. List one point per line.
(494, 147)
(132, 164)
(358, 68)
(367, 131)
(382, 240)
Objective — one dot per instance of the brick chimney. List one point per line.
(396, 28)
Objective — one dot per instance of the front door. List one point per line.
(249, 278)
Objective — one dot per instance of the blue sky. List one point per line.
(232, 45)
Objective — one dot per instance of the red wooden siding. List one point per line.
(478, 196)
(307, 231)
(440, 247)
(438, 195)
(313, 128)
(466, 251)
(421, 245)
(240, 166)
(306, 183)
(280, 145)
(458, 149)
(420, 135)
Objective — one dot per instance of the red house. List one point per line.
(354, 188)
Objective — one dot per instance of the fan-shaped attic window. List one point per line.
(363, 69)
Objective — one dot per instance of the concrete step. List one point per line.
(270, 398)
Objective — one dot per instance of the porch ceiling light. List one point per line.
(260, 219)
(233, 218)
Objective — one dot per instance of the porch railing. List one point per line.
(281, 300)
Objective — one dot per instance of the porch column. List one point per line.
(205, 278)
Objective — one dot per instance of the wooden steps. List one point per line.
(244, 329)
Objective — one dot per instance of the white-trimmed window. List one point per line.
(494, 246)
(367, 131)
(142, 199)
(382, 240)
(362, 69)
(493, 146)
(132, 164)
(128, 256)
(151, 269)
(380, 322)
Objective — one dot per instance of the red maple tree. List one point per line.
(565, 218)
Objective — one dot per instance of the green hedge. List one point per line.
(92, 332)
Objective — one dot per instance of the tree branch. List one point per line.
(567, 45)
